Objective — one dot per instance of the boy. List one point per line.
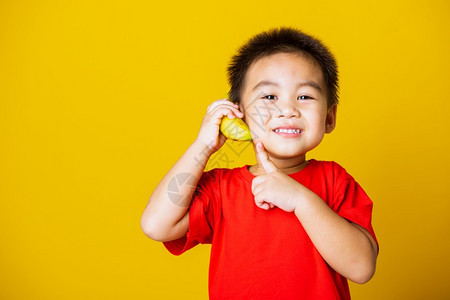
(287, 227)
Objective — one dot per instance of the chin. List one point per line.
(290, 149)
(285, 152)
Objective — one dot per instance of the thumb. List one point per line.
(268, 165)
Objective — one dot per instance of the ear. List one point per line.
(331, 119)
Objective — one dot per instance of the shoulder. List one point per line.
(221, 172)
(213, 183)
(329, 167)
(340, 185)
(221, 175)
(331, 172)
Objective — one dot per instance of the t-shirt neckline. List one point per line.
(248, 176)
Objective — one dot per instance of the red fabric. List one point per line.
(259, 254)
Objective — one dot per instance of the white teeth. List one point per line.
(287, 130)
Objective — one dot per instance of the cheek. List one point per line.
(257, 126)
(316, 120)
(257, 119)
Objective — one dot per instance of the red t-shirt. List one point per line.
(266, 254)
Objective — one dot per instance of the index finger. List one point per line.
(268, 165)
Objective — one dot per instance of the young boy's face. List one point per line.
(285, 105)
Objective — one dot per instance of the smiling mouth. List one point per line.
(286, 130)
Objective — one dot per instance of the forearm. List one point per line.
(346, 247)
(170, 200)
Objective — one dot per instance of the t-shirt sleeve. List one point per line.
(352, 203)
(201, 219)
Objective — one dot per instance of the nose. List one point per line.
(287, 110)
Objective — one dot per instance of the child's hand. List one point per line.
(275, 188)
(209, 133)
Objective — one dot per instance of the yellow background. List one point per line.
(99, 98)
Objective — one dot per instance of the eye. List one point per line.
(304, 97)
(270, 97)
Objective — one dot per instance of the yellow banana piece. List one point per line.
(235, 129)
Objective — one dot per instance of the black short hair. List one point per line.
(282, 40)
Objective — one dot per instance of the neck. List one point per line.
(287, 166)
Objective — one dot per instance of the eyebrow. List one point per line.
(301, 84)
